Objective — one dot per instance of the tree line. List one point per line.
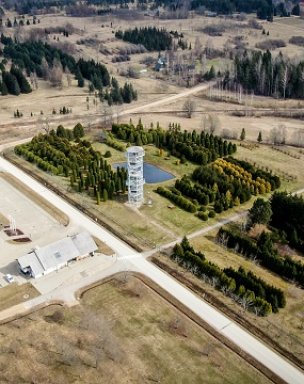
(264, 251)
(152, 38)
(263, 74)
(244, 287)
(264, 9)
(86, 168)
(28, 6)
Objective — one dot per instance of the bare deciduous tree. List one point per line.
(45, 125)
(56, 73)
(211, 123)
(189, 107)
(278, 135)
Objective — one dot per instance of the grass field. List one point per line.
(14, 294)
(122, 332)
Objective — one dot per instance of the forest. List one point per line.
(28, 6)
(288, 217)
(49, 63)
(263, 8)
(63, 152)
(242, 286)
(264, 74)
(152, 38)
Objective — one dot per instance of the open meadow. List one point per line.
(122, 331)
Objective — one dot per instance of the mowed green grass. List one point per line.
(122, 332)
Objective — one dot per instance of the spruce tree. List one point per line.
(11, 83)
(24, 85)
(260, 139)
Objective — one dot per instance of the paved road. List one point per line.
(202, 231)
(128, 259)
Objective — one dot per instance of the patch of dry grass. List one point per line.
(15, 294)
(116, 335)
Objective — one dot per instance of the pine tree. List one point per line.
(11, 83)
(260, 139)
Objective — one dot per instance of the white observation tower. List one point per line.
(135, 161)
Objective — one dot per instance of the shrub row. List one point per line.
(241, 289)
(177, 199)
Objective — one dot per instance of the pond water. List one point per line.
(152, 174)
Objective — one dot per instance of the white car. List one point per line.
(9, 278)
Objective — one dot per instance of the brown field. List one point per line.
(115, 335)
(149, 86)
(14, 294)
(285, 327)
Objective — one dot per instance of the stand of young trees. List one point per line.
(228, 182)
(152, 38)
(200, 148)
(86, 168)
(243, 287)
(288, 217)
(263, 74)
(264, 251)
(49, 63)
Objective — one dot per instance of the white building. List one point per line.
(135, 161)
(52, 257)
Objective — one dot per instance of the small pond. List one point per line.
(152, 174)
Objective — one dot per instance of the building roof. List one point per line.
(84, 243)
(54, 255)
(30, 260)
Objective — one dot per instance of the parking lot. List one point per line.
(33, 221)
